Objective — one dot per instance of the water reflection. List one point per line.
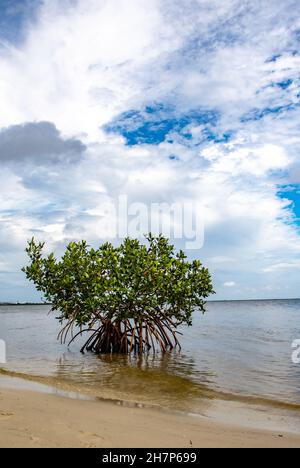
(168, 380)
(241, 348)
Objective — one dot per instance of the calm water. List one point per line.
(235, 351)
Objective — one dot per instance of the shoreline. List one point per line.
(31, 419)
(78, 420)
(211, 395)
(208, 301)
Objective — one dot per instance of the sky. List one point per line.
(163, 101)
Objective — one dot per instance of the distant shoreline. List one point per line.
(255, 300)
(24, 304)
(209, 301)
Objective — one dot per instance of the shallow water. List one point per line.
(238, 351)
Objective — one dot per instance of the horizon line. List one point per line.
(16, 303)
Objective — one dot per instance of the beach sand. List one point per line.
(31, 419)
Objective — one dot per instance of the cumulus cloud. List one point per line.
(162, 101)
(283, 266)
(39, 142)
(229, 284)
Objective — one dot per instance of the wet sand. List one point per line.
(34, 419)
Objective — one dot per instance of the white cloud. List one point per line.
(85, 62)
(283, 266)
(229, 284)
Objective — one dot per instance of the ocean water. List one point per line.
(237, 351)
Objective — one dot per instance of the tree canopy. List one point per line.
(131, 297)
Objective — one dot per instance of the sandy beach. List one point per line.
(31, 419)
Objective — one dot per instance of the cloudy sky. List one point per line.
(164, 101)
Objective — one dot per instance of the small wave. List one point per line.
(108, 394)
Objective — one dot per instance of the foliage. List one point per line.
(130, 297)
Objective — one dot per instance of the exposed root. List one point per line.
(136, 336)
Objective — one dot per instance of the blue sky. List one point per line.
(14, 16)
(179, 101)
(292, 194)
(155, 124)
